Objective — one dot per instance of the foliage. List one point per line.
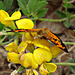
(72, 68)
(33, 8)
(66, 5)
(4, 4)
(1, 26)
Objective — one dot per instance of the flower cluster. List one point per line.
(9, 21)
(31, 52)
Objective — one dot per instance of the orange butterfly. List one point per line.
(44, 32)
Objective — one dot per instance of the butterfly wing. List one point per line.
(55, 39)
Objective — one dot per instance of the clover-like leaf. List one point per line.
(31, 5)
(41, 13)
(61, 14)
(40, 5)
(23, 6)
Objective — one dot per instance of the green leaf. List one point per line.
(41, 13)
(64, 5)
(69, 5)
(68, 14)
(32, 5)
(71, 60)
(61, 14)
(40, 5)
(2, 5)
(7, 4)
(72, 68)
(22, 4)
(67, 23)
(1, 26)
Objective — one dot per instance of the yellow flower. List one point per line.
(30, 38)
(43, 71)
(28, 71)
(8, 21)
(50, 67)
(55, 51)
(47, 68)
(42, 43)
(16, 15)
(41, 55)
(12, 47)
(27, 37)
(25, 24)
(14, 50)
(13, 57)
(22, 46)
(27, 60)
(3, 15)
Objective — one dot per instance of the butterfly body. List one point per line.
(44, 32)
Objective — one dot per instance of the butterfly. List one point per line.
(45, 32)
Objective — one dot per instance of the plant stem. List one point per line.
(74, 30)
(70, 43)
(68, 64)
(21, 69)
(56, 20)
(8, 41)
(5, 33)
(2, 39)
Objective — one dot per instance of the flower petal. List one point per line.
(3, 15)
(34, 34)
(51, 67)
(30, 47)
(13, 57)
(42, 43)
(35, 72)
(43, 71)
(25, 24)
(16, 15)
(41, 55)
(55, 51)
(27, 60)
(27, 37)
(12, 47)
(22, 46)
(28, 71)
